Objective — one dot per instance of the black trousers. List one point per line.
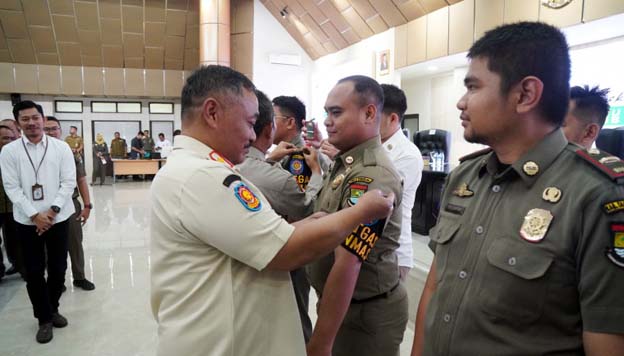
(44, 294)
(11, 243)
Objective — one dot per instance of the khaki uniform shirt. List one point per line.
(80, 172)
(148, 144)
(212, 235)
(280, 187)
(526, 255)
(74, 142)
(119, 148)
(364, 167)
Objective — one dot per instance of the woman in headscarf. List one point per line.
(100, 159)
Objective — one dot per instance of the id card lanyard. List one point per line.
(37, 189)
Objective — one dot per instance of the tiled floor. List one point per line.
(115, 319)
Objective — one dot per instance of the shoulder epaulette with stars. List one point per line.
(605, 162)
(475, 154)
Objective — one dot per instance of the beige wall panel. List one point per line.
(86, 15)
(155, 10)
(223, 49)
(567, 16)
(174, 47)
(93, 82)
(14, 24)
(356, 22)
(7, 84)
(400, 46)
(49, 79)
(488, 14)
(10, 4)
(132, 19)
(294, 7)
(70, 54)
(329, 10)
(65, 28)
(437, 33)
(113, 81)
(154, 57)
(329, 47)
(377, 24)
(133, 2)
(191, 58)
(134, 62)
(174, 64)
(191, 40)
(111, 31)
(313, 10)
(242, 16)
(432, 5)
(521, 10)
(43, 39)
(26, 78)
(334, 35)
(90, 43)
(341, 5)
(417, 40)
(134, 82)
(242, 52)
(461, 26)
(314, 27)
(48, 58)
(110, 9)
(37, 12)
(154, 34)
(112, 56)
(192, 16)
(22, 51)
(351, 36)
(210, 13)
(154, 83)
(390, 13)
(92, 61)
(62, 7)
(5, 56)
(411, 9)
(133, 45)
(173, 83)
(595, 9)
(71, 80)
(176, 23)
(2, 39)
(364, 8)
(175, 4)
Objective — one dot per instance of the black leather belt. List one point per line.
(375, 297)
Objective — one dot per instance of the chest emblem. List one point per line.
(337, 181)
(247, 197)
(551, 194)
(462, 191)
(535, 225)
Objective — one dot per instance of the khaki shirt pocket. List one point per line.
(441, 235)
(514, 282)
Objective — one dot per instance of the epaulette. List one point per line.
(475, 154)
(605, 162)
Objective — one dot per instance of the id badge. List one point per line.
(37, 192)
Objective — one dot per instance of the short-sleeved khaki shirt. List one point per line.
(118, 148)
(74, 142)
(525, 255)
(212, 235)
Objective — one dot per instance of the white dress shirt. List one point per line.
(408, 162)
(57, 176)
(165, 148)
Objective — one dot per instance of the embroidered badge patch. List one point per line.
(366, 180)
(296, 166)
(355, 192)
(363, 238)
(613, 206)
(615, 253)
(247, 197)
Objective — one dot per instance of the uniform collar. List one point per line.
(540, 156)
(394, 141)
(43, 142)
(297, 141)
(199, 148)
(358, 153)
(255, 153)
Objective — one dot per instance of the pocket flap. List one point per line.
(524, 261)
(443, 232)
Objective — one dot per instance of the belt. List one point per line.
(375, 297)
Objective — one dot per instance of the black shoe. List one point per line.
(84, 284)
(44, 335)
(59, 321)
(11, 270)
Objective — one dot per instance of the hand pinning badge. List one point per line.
(551, 194)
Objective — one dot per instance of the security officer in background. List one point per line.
(75, 142)
(148, 144)
(289, 115)
(586, 115)
(283, 192)
(362, 304)
(529, 244)
(119, 147)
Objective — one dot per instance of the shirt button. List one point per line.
(511, 261)
(479, 230)
(496, 188)
(463, 274)
(447, 318)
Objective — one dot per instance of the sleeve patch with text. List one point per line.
(363, 238)
(613, 206)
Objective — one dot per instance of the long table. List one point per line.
(122, 167)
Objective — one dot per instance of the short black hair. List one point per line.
(73, 127)
(368, 90)
(177, 132)
(395, 101)
(6, 127)
(212, 80)
(140, 133)
(26, 104)
(52, 118)
(117, 132)
(265, 112)
(161, 134)
(292, 106)
(591, 105)
(522, 49)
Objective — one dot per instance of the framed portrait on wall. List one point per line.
(383, 62)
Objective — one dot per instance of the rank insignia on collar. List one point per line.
(535, 225)
(530, 168)
(337, 181)
(349, 160)
(609, 159)
(462, 191)
(615, 253)
(247, 197)
(551, 194)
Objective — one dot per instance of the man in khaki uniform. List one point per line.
(362, 304)
(220, 254)
(75, 142)
(586, 115)
(119, 147)
(7, 222)
(529, 244)
(282, 190)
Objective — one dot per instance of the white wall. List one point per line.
(47, 103)
(270, 37)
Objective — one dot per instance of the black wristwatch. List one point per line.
(55, 209)
(89, 206)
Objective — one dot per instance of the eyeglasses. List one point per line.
(51, 129)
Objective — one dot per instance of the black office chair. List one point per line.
(433, 140)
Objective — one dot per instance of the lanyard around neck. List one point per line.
(40, 163)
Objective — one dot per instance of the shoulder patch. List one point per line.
(615, 252)
(247, 198)
(230, 179)
(475, 154)
(363, 238)
(366, 180)
(608, 164)
(356, 190)
(613, 207)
